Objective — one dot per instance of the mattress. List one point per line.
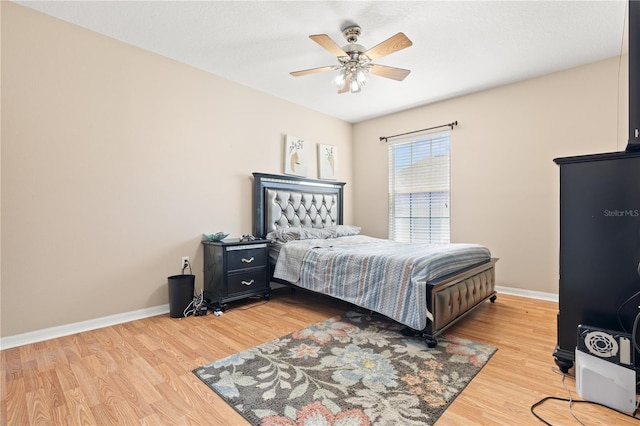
(381, 275)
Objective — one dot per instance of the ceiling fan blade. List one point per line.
(390, 45)
(389, 72)
(311, 71)
(330, 45)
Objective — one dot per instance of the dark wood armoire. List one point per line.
(599, 246)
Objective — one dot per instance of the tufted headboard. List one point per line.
(291, 201)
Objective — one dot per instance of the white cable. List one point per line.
(198, 300)
(186, 312)
(195, 303)
(570, 400)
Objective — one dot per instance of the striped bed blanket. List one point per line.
(384, 276)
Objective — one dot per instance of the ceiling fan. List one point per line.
(356, 62)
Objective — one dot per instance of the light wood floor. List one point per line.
(140, 372)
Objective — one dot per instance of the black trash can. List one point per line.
(181, 289)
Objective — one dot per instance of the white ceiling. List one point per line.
(459, 47)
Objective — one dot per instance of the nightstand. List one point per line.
(235, 270)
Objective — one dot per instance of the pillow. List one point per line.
(346, 230)
(291, 234)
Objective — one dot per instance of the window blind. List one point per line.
(419, 189)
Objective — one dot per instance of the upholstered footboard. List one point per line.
(452, 297)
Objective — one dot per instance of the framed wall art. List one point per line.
(327, 161)
(295, 156)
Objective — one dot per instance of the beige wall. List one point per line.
(115, 160)
(505, 189)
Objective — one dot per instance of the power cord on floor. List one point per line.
(572, 401)
(194, 306)
(580, 401)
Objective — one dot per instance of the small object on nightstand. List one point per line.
(218, 236)
(248, 237)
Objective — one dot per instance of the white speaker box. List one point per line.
(604, 382)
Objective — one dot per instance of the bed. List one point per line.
(426, 287)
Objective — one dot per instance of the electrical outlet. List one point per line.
(185, 262)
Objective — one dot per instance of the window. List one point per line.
(419, 189)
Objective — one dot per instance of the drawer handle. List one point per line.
(248, 282)
(248, 260)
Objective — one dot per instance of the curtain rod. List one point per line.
(451, 125)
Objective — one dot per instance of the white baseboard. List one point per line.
(551, 297)
(78, 327)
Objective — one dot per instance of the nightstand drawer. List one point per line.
(250, 256)
(246, 281)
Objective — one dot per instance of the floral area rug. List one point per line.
(353, 369)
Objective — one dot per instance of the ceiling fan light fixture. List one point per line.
(340, 79)
(362, 76)
(354, 86)
(351, 78)
(358, 78)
